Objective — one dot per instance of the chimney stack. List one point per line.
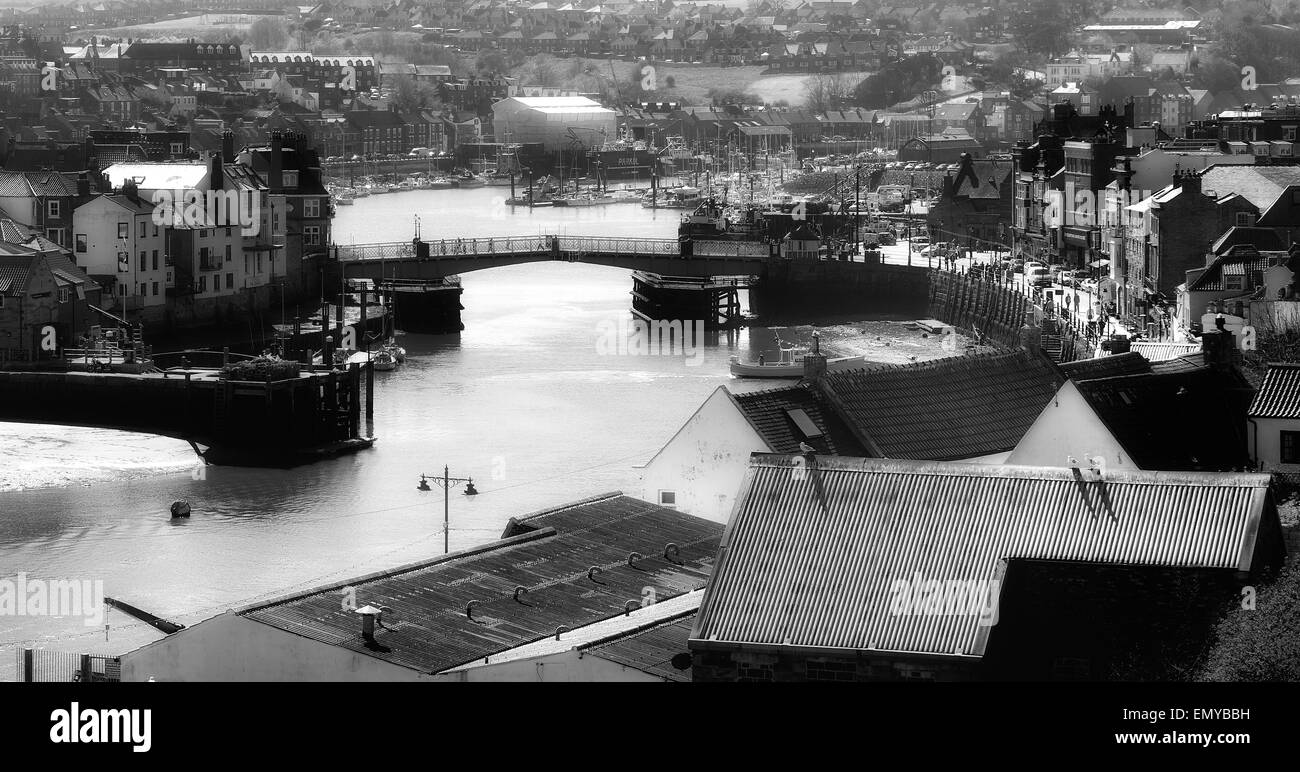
(83, 185)
(216, 172)
(228, 146)
(1031, 335)
(1219, 346)
(275, 179)
(814, 362)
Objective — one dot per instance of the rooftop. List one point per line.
(537, 577)
(809, 561)
(1279, 396)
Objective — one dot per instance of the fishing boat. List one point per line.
(675, 198)
(469, 181)
(790, 365)
(343, 199)
(440, 183)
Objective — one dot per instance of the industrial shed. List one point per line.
(553, 121)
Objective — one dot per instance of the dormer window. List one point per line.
(291, 179)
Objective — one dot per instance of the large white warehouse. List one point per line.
(549, 119)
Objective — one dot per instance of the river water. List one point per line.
(523, 400)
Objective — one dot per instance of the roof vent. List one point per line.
(520, 590)
(632, 604)
(671, 553)
(591, 574)
(560, 629)
(635, 556)
(469, 609)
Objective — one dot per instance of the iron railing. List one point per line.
(45, 666)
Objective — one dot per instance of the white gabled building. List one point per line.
(116, 240)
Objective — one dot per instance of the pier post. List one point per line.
(370, 399)
(354, 401)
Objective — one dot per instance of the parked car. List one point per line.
(919, 243)
(886, 238)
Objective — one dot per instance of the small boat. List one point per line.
(395, 350)
(586, 199)
(343, 199)
(360, 192)
(440, 183)
(383, 360)
(789, 366)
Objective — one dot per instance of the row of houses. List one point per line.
(178, 271)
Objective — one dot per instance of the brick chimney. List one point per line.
(228, 146)
(275, 178)
(216, 172)
(814, 362)
(1031, 335)
(1219, 347)
(83, 185)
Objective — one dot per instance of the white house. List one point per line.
(1274, 419)
(974, 408)
(115, 235)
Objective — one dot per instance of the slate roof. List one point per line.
(1279, 396)
(1261, 185)
(809, 561)
(645, 639)
(1161, 352)
(548, 554)
(768, 411)
(945, 409)
(1176, 421)
(1179, 364)
(1238, 262)
(1128, 363)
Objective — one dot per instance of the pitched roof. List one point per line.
(1261, 185)
(1156, 351)
(1242, 262)
(15, 269)
(775, 415)
(1176, 421)
(814, 560)
(548, 554)
(1279, 396)
(1128, 363)
(958, 407)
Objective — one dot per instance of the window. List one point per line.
(291, 179)
(1290, 447)
(144, 260)
(124, 230)
(311, 235)
(55, 235)
(155, 229)
(228, 258)
(144, 289)
(52, 208)
(227, 233)
(668, 498)
(203, 284)
(155, 289)
(81, 242)
(1233, 282)
(63, 294)
(144, 228)
(1245, 219)
(1288, 133)
(230, 281)
(155, 259)
(311, 207)
(178, 148)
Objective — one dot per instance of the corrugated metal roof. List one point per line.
(1279, 396)
(549, 554)
(953, 408)
(1162, 352)
(810, 562)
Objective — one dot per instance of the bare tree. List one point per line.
(827, 92)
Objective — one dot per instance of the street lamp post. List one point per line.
(446, 483)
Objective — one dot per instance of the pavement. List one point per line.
(1070, 297)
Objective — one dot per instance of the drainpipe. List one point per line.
(1254, 440)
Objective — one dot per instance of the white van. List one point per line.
(1037, 275)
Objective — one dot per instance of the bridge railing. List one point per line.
(394, 250)
(618, 246)
(730, 249)
(491, 246)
